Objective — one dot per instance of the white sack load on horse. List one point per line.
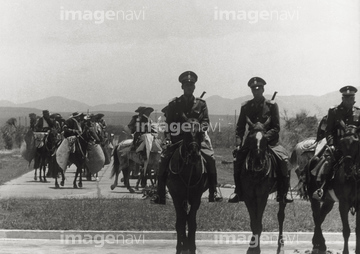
(95, 158)
(28, 148)
(63, 153)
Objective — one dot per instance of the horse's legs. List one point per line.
(126, 173)
(319, 215)
(181, 218)
(344, 212)
(192, 226)
(78, 173)
(80, 178)
(62, 178)
(44, 169)
(281, 217)
(254, 245)
(113, 186)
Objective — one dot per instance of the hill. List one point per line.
(222, 110)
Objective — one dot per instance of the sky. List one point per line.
(103, 52)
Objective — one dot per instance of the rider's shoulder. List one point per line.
(356, 108)
(245, 103)
(174, 101)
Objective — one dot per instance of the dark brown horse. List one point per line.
(186, 184)
(77, 156)
(257, 182)
(45, 149)
(345, 182)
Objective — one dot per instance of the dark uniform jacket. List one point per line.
(337, 113)
(70, 127)
(179, 111)
(260, 112)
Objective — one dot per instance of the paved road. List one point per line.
(9, 246)
(26, 186)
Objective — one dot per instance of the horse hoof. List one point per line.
(75, 186)
(112, 187)
(131, 190)
(80, 185)
(317, 251)
(122, 180)
(35, 178)
(62, 183)
(45, 181)
(97, 179)
(57, 186)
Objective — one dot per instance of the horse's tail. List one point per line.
(116, 165)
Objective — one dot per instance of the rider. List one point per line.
(139, 124)
(259, 110)
(72, 126)
(350, 115)
(44, 123)
(179, 109)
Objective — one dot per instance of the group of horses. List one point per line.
(187, 181)
(49, 150)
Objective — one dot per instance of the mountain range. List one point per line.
(288, 105)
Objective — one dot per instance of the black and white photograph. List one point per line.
(192, 126)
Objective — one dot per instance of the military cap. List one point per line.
(139, 109)
(188, 76)
(46, 112)
(256, 82)
(348, 91)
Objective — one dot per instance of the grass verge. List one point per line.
(131, 214)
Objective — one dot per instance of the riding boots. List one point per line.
(160, 198)
(237, 195)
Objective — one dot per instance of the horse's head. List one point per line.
(257, 144)
(192, 138)
(349, 146)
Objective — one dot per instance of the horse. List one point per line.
(45, 147)
(345, 191)
(186, 183)
(64, 157)
(257, 182)
(126, 160)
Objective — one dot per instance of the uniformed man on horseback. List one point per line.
(259, 110)
(350, 115)
(178, 111)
